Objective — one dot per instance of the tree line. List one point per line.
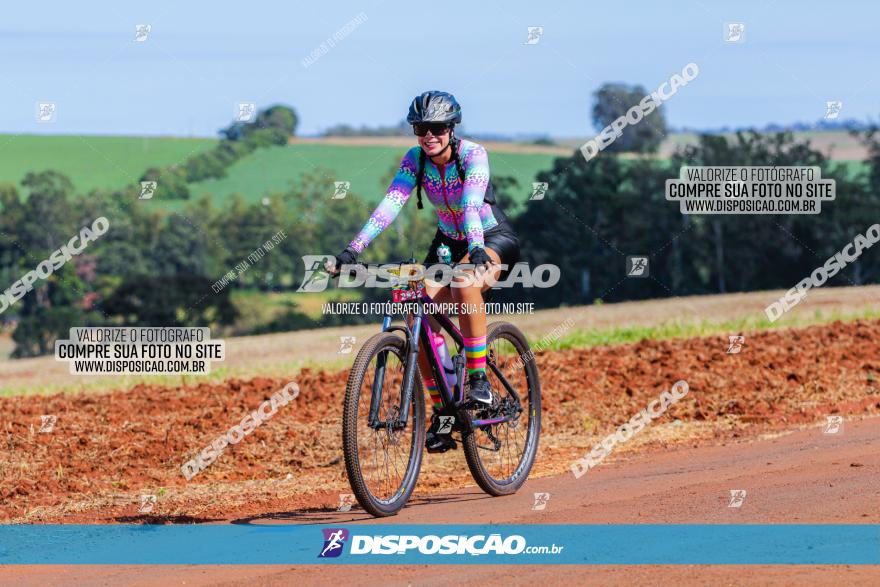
(599, 212)
(159, 268)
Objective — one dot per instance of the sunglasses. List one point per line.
(437, 129)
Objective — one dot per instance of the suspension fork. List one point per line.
(378, 380)
(376, 391)
(410, 368)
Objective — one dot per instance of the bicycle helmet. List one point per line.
(434, 106)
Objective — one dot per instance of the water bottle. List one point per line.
(445, 359)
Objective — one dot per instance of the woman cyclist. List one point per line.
(455, 176)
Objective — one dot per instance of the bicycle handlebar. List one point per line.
(409, 262)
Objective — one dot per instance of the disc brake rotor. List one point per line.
(393, 436)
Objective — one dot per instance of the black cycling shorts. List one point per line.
(501, 239)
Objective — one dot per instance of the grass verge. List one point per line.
(576, 338)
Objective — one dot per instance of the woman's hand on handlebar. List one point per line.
(346, 257)
(481, 260)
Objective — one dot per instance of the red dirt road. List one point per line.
(752, 421)
(108, 449)
(802, 477)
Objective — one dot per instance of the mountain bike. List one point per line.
(383, 425)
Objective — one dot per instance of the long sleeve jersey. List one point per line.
(461, 212)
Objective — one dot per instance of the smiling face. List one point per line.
(434, 144)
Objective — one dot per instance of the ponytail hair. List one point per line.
(419, 176)
(455, 144)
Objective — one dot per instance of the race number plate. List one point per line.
(406, 295)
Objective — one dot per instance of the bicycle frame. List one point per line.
(418, 332)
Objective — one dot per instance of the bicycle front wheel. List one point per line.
(383, 457)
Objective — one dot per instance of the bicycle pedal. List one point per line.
(441, 447)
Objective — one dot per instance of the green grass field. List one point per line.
(93, 161)
(275, 168)
(113, 162)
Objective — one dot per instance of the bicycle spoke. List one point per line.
(512, 445)
(385, 451)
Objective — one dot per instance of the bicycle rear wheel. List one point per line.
(382, 460)
(500, 456)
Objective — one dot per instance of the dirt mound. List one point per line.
(106, 450)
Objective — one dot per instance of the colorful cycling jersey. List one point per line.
(461, 212)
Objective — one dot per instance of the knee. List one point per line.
(457, 293)
(468, 293)
(460, 284)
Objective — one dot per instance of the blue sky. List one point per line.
(203, 57)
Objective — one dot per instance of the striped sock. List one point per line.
(475, 354)
(434, 392)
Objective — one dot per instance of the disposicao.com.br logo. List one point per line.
(334, 541)
(455, 544)
(390, 275)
